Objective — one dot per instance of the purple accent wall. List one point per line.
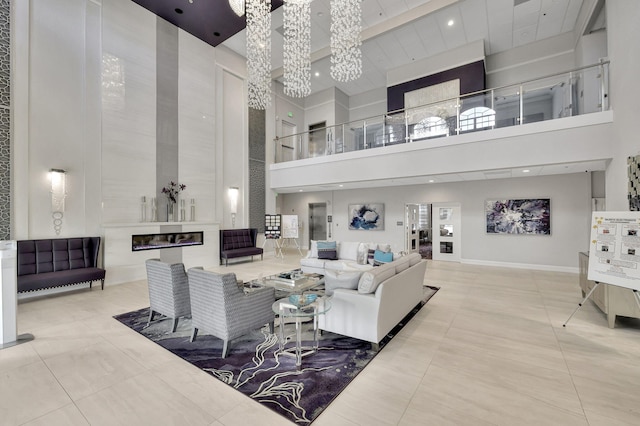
(472, 79)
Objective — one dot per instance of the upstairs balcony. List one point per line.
(488, 132)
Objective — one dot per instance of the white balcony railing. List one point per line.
(580, 91)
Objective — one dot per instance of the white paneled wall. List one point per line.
(62, 131)
(128, 109)
(196, 130)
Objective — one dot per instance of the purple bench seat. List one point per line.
(236, 243)
(58, 262)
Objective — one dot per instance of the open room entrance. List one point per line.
(318, 139)
(418, 229)
(317, 222)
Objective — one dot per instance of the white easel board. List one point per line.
(289, 226)
(614, 249)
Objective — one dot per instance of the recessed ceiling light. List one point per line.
(217, 34)
(431, 180)
(179, 11)
(299, 190)
(526, 171)
(450, 23)
(317, 74)
(340, 185)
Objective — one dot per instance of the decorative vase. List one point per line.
(170, 210)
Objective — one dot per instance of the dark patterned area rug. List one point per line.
(255, 368)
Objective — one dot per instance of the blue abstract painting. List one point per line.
(526, 216)
(369, 217)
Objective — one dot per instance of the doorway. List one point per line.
(418, 229)
(447, 226)
(317, 222)
(317, 139)
(290, 146)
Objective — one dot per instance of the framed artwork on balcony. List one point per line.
(530, 216)
(367, 217)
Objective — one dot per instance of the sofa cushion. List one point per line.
(363, 251)
(402, 264)
(370, 280)
(340, 279)
(348, 250)
(312, 262)
(327, 250)
(414, 258)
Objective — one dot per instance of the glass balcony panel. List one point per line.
(286, 148)
(395, 129)
(506, 103)
(476, 113)
(548, 98)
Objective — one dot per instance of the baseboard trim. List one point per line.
(536, 267)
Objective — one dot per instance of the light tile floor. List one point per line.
(488, 349)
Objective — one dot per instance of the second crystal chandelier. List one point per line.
(297, 48)
(346, 57)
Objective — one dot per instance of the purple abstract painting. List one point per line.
(527, 216)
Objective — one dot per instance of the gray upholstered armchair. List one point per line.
(219, 307)
(168, 290)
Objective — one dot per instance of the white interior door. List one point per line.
(447, 231)
(412, 235)
(289, 145)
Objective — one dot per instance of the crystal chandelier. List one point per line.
(346, 57)
(259, 53)
(237, 6)
(297, 48)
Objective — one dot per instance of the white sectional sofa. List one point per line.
(350, 258)
(385, 295)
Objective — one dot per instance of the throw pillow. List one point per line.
(362, 254)
(313, 253)
(383, 257)
(370, 254)
(348, 250)
(327, 250)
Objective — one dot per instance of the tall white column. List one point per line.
(8, 292)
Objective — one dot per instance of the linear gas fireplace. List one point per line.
(166, 240)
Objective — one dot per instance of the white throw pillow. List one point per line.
(363, 250)
(370, 280)
(348, 250)
(314, 249)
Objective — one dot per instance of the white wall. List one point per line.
(570, 214)
(128, 110)
(59, 128)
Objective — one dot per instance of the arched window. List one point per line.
(430, 127)
(477, 118)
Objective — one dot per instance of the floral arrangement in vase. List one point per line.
(171, 191)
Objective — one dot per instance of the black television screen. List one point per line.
(166, 240)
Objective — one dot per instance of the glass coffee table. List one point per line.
(289, 282)
(285, 309)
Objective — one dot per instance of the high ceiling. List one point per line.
(212, 21)
(395, 32)
(398, 32)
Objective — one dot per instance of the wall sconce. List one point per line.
(233, 203)
(58, 194)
